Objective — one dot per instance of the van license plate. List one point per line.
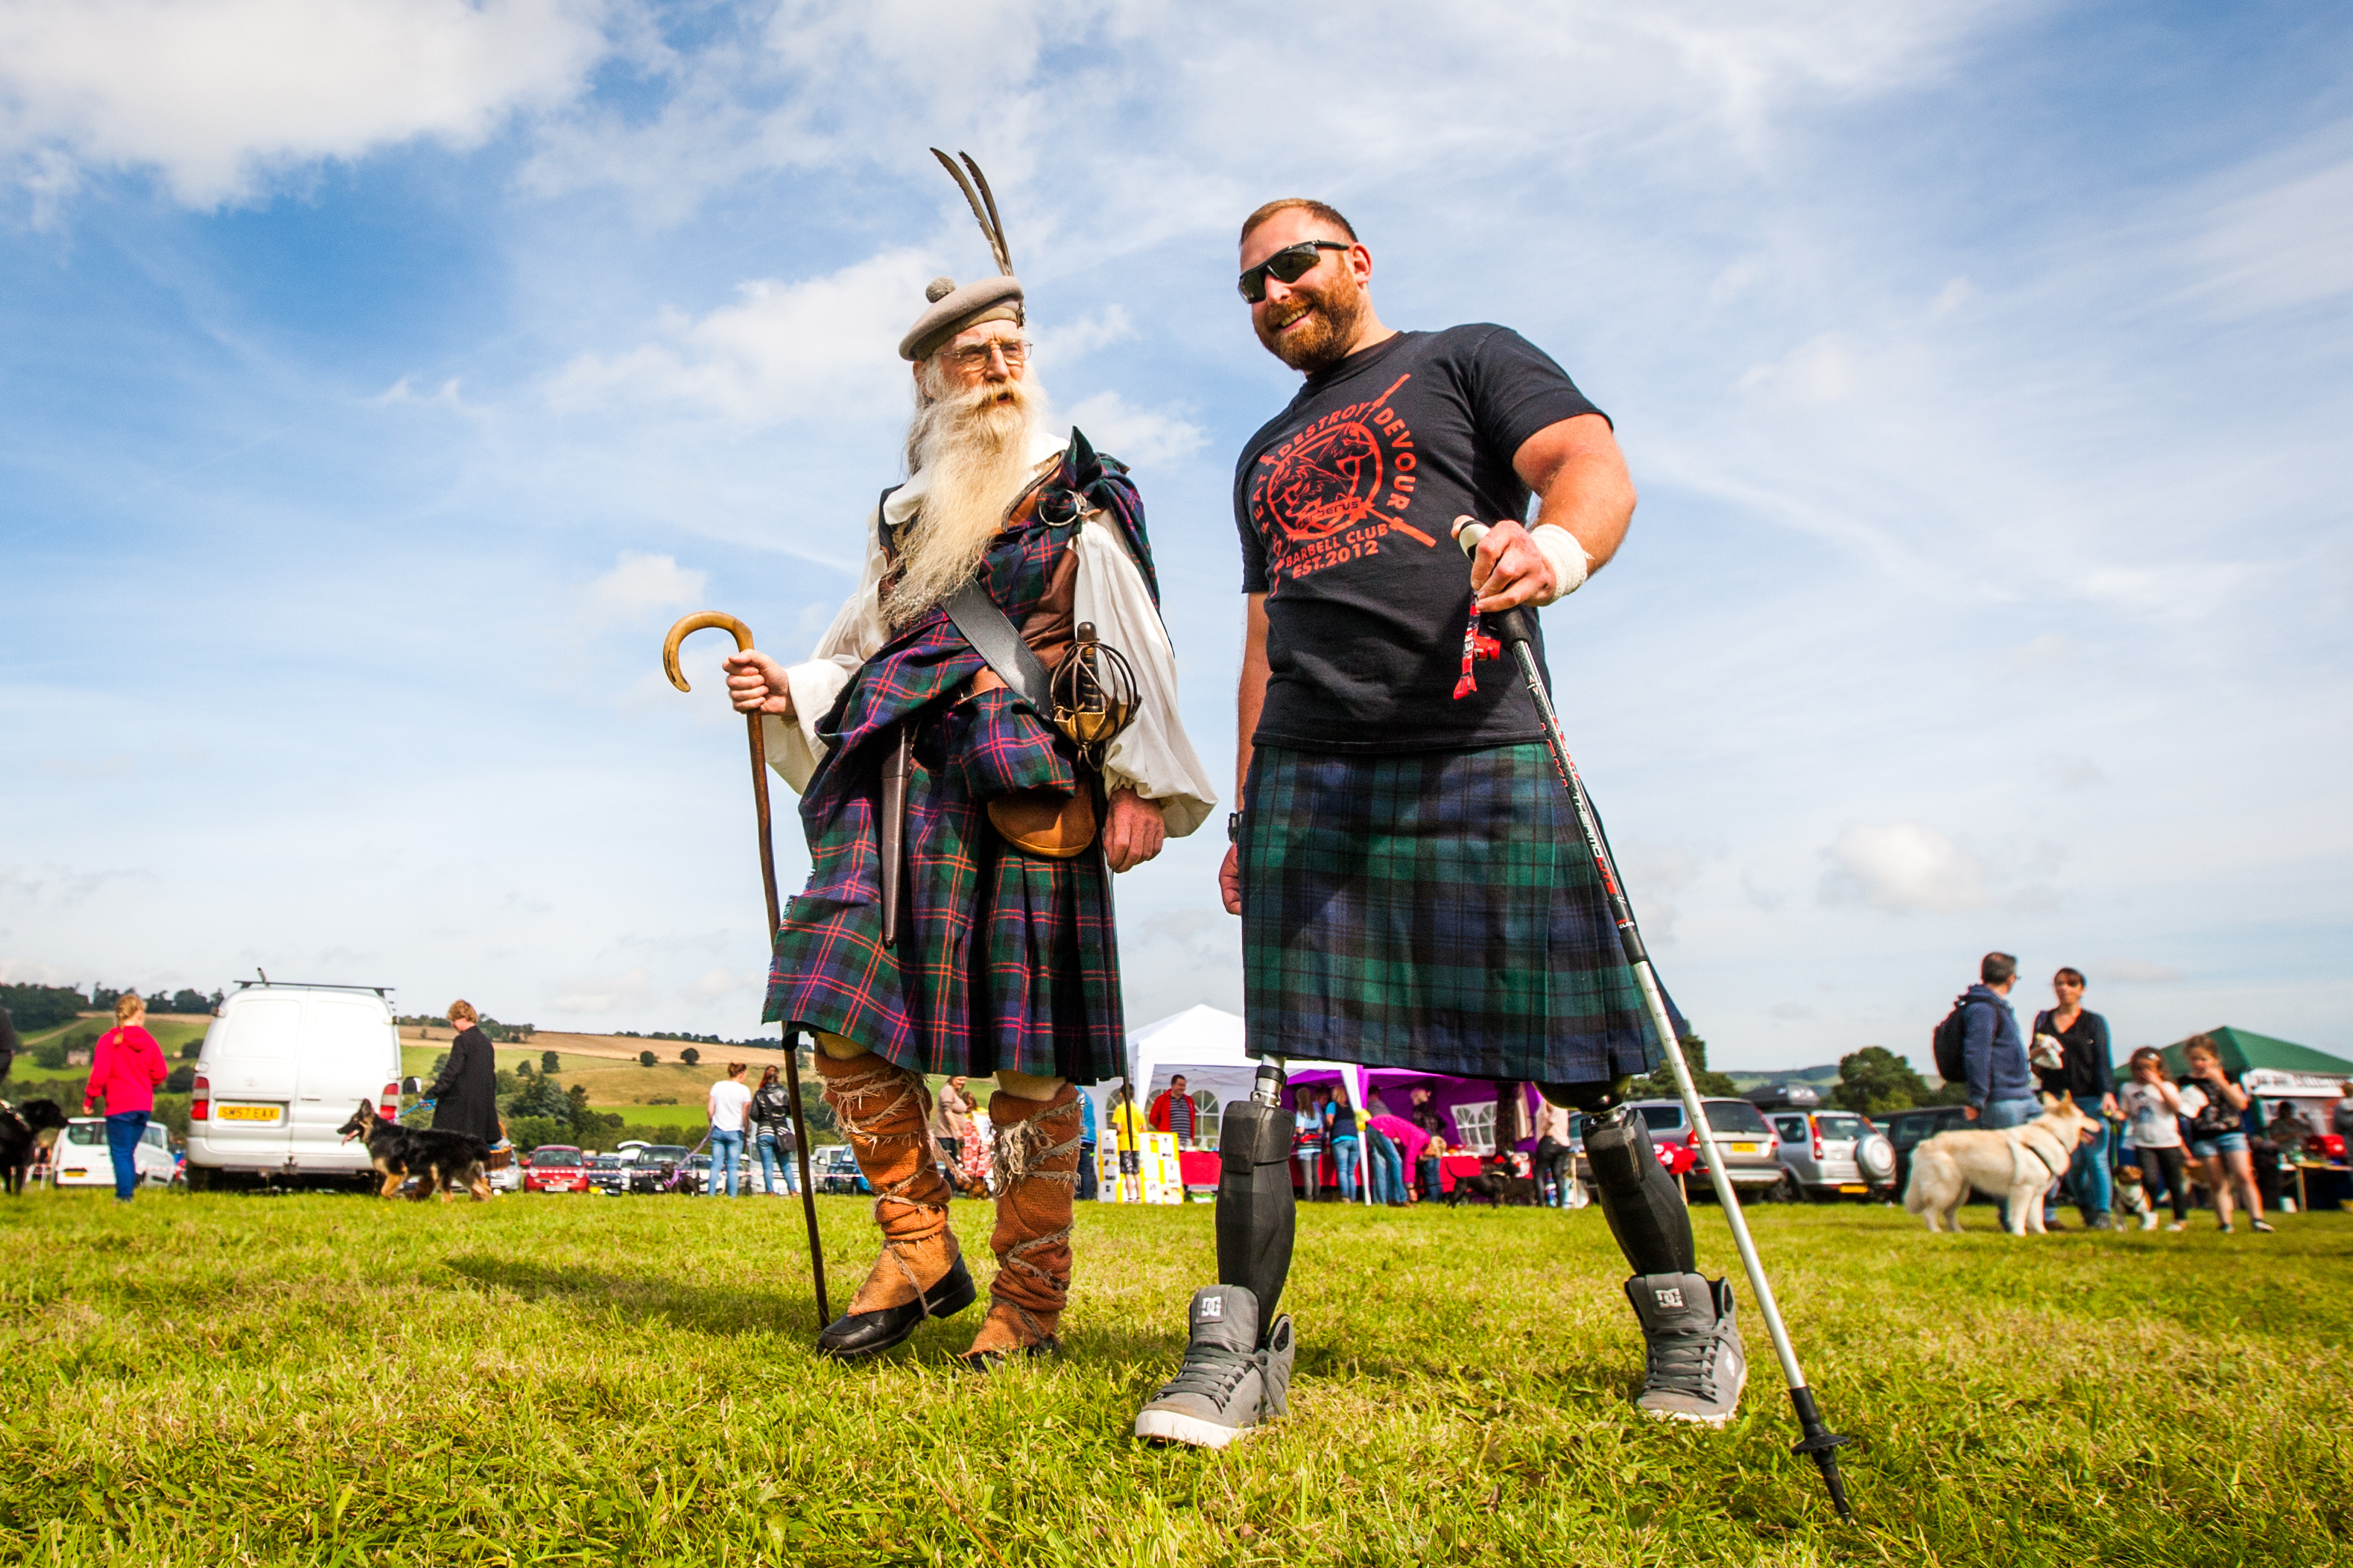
(246, 1113)
(1744, 1148)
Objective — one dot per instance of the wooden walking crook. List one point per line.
(742, 635)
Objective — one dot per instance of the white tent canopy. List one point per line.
(1205, 1044)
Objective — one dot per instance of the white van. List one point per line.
(282, 1066)
(81, 1158)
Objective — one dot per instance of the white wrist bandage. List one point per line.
(1570, 564)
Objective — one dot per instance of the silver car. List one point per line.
(1751, 1157)
(1832, 1154)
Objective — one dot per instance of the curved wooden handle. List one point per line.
(695, 623)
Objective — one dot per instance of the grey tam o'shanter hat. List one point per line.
(952, 309)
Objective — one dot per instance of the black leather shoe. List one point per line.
(864, 1333)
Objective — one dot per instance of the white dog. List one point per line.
(2016, 1164)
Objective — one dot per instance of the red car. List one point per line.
(554, 1168)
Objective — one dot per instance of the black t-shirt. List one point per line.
(1346, 502)
(2218, 1116)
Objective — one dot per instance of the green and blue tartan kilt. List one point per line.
(1434, 910)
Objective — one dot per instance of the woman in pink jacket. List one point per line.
(125, 1071)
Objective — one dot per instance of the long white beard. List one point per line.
(975, 450)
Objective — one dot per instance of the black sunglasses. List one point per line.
(1292, 263)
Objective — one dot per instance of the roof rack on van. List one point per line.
(382, 991)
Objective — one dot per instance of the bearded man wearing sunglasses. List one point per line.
(1408, 868)
(958, 914)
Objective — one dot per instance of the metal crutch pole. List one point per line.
(1819, 1442)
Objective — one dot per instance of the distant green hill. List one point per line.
(1821, 1078)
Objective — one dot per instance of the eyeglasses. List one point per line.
(1290, 264)
(1014, 351)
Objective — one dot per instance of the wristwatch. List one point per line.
(1233, 827)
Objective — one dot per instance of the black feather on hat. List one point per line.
(955, 308)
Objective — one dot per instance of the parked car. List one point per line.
(656, 1168)
(1751, 1156)
(609, 1173)
(555, 1168)
(81, 1159)
(833, 1168)
(1832, 1154)
(1907, 1130)
(278, 1072)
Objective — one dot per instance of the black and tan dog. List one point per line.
(1499, 1182)
(24, 1129)
(446, 1161)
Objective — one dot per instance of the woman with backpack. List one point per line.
(772, 1136)
(124, 1072)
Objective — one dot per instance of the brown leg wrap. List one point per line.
(880, 1109)
(1037, 1170)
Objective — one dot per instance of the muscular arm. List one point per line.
(1582, 487)
(1249, 697)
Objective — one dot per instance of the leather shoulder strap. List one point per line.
(993, 637)
(883, 532)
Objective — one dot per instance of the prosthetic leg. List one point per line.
(1236, 1370)
(1036, 1156)
(1257, 1210)
(1696, 1364)
(920, 1273)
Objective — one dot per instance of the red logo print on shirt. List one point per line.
(1331, 492)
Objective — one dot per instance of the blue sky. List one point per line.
(378, 378)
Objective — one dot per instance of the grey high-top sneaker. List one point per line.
(1227, 1386)
(1697, 1367)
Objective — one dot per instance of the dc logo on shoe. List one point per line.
(1673, 1298)
(1213, 1307)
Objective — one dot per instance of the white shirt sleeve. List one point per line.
(794, 750)
(1152, 756)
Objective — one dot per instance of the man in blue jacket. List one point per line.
(2001, 1085)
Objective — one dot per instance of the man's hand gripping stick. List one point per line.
(1819, 1442)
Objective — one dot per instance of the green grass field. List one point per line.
(321, 1379)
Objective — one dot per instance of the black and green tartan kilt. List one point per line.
(1435, 910)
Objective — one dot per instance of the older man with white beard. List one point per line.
(1003, 960)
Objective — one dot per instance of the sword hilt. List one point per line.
(1510, 626)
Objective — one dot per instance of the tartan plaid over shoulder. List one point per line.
(1005, 961)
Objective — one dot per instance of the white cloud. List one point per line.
(719, 984)
(1951, 297)
(2135, 972)
(602, 993)
(1088, 333)
(639, 584)
(1140, 437)
(1816, 373)
(215, 94)
(1903, 868)
(2290, 244)
(821, 348)
(2050, 649)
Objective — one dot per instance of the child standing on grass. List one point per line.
(2217, 1109)
(125, 1071)
(2152, 1109)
